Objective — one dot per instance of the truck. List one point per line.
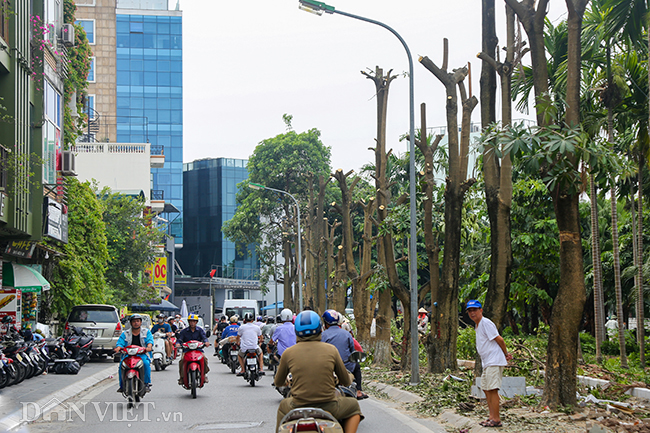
(240, 307)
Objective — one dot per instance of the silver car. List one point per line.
(100, 321)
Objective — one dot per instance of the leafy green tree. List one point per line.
(75, 85)
(288, 162)
(130, 241)
(78, 277)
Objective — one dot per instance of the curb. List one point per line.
(462, 422)
(15, 419)
(395, 393)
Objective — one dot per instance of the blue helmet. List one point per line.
(307, 324)
(331, 317)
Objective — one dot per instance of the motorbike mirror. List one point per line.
(358, 357)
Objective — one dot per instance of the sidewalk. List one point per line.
(44, 388)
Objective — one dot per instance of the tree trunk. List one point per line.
(498, 174)
(383, 197)
(364, 306)
(617, 275)
(599, 310)
(561, 361)
(444, 318)
(288, 276)
(640, 322)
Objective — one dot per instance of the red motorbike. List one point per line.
(133, 374)
(193, 366)
(175, 350)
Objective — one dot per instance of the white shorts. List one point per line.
(491, 378)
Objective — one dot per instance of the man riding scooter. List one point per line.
(136, 336)
(167, 329)
(248, 338)
(192, 332)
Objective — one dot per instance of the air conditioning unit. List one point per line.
(68, 164)
(67, 34)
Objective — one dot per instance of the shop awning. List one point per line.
(23, 277)
(272, 306)
(162, 306)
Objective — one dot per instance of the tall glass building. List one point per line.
(149, 85)
(210, 190)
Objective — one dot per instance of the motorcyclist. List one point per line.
(344, 343)
(192, 332)
(167, 329)
(284, 335)
(267, 332)
(259, 322)
(172, 325)
(229, 331)
(248, 338)
(312, 365)
(219, 327)
(136, 336)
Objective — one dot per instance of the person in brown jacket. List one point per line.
(312, 365)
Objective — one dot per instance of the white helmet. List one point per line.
(286, 315)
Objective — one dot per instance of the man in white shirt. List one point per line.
(248, 338)
(494, 357)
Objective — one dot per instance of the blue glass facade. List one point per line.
(149, 81)
(210, 187)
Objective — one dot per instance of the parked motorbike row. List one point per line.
(21, 359)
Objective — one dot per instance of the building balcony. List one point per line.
(157, 156)
(157, 201)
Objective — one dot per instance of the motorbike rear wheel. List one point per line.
(251, 377)
(20, 373)
(193, 384)
(156, 364)
(233, 367)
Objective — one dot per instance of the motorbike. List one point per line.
(14, 350)
(175, 350)
(233, 357)
(309, 419)
(252, 371)
(7, 371)
(132, 373)
(160, 359)
(79, 344)
(193, 368)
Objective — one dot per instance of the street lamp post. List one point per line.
(318, 8)
(298, 238)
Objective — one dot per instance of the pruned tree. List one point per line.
(561, 362)
(363, 306)
(384, 200)
(444, 317)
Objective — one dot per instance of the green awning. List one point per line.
(23, 277)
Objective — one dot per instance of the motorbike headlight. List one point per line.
(193, 346)
(132, 351)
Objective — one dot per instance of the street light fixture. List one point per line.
(318, 8)
(257, 186)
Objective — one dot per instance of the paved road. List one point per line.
(227, 403)
(37, 387)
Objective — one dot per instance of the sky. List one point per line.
(248, 62)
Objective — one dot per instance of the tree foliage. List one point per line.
(130, 241)
(79, 276)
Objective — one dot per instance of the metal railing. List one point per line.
(236, 273)
(105, 129)
(157, 194)
(157, 149)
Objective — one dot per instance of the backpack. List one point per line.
(66, 366)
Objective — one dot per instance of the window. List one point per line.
(52, 104)
(91, 73)
(136, 27)
(90, 106)
(89, 27)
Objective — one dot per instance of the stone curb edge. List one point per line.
(15, 419)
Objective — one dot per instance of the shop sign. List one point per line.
(23, 249)
(3, 201)
(56, 225)
(159, 275)
(10, 305)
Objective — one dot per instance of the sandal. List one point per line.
(485, 423)
(493, 423)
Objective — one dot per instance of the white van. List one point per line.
(240, 307)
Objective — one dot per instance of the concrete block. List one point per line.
(639, 393)
(591, 381)
(510, 387)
